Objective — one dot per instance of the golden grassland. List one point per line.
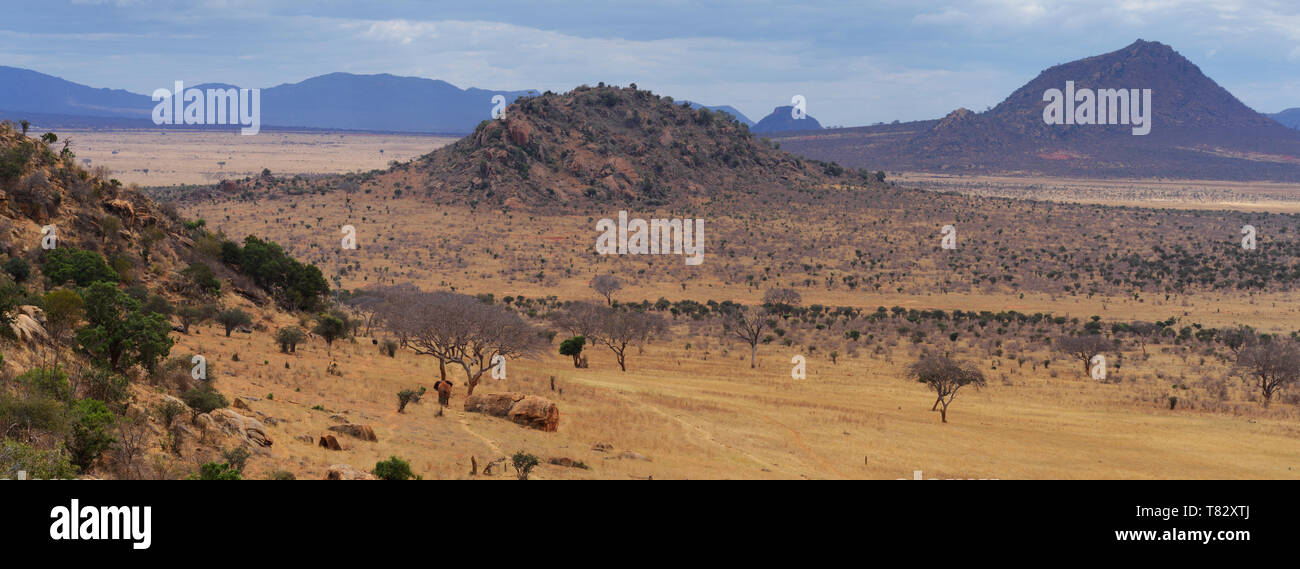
(701, 412)
(691, 404)
(157, 157)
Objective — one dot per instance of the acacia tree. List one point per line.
(620, 329)
(458, 329)
(233, 318)
(606, 286)
(1083, 348)
(748, 328)
(945, 376)
(782, 296)
(1274, 365)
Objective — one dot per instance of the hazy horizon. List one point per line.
(856, 64)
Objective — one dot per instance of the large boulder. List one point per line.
(363, 432)
(537, 413)
(346, 472)
(527, 410)
(27, 325)
(247, 428)
(494, 404)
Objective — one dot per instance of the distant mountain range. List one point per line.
(1199, 130)
(1289, 117)
(345, 101)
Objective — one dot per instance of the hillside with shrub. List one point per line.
(98, 283)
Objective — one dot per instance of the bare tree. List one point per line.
(747, 327)
(1274, 365)
(580, 318)
(615, 328)
(945, 376)
(457, 329)
(606, 286)
(1083, 348)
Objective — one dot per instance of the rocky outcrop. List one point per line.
(494, 404)
(537, 413)
(328, 442)
(249, 429)
(347, 472)
(528, 410)
(27, 325)
(363, 432)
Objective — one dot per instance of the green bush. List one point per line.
(203, 279)
(205, 399)
(294, 285)
(92, 425)
(105, 385)
(524, 464)
(289, 337)
(19, 269)
(77, 265)
(51, 382)
(33, 413)
(237, 457)
(216, 471)
(119, 333)
(41, 464)
(393, 469)
(233, 318)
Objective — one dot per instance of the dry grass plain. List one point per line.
(691, 404)
(703, 413)
(1274, 197)
(173, 157)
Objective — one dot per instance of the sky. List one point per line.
(855, 63)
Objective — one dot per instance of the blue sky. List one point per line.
(855, 62)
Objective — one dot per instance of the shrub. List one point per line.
(64, 310)
(51, 464)
(233, 318)
(92, 423)
(203, 279)
(330, 328)
(216, 471)
(192, 315)
(288, 338)
(105, 385)
(77, 265)
(19, 269)
(524, 464)
(237, 457)
(393, 469)
(205, 399)
(281, 475)
(33, 413)
(407, 396)
(51, 382)
(388, 347)
(168, 411)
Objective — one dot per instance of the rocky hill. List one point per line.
(601, 144)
